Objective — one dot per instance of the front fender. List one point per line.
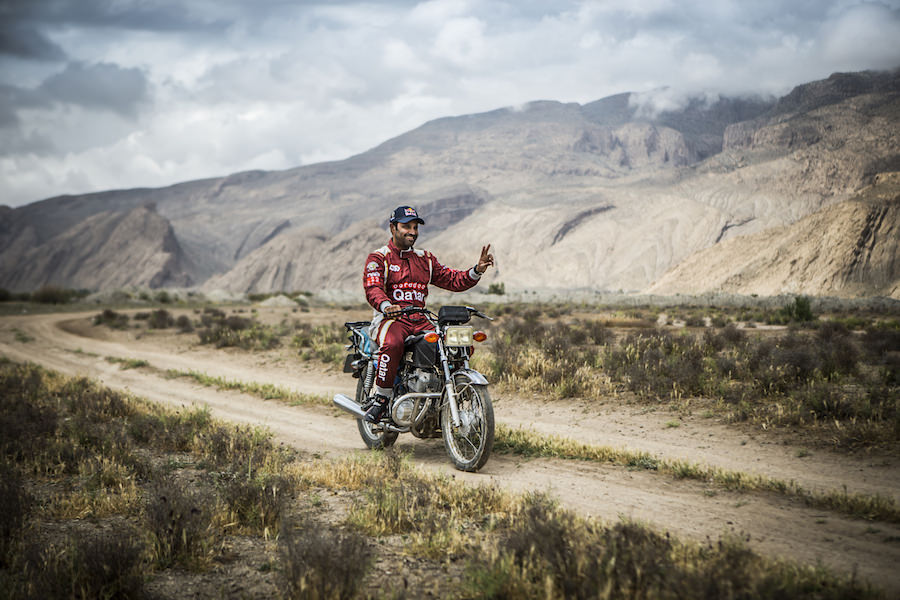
(472, 375)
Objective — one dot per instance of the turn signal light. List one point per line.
(431, 337)
(479, 336)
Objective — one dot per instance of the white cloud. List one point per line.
(865, 36)
(220, 87)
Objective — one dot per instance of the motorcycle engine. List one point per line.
(423, 381)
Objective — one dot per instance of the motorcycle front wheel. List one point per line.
(374, 436)
(470, 444)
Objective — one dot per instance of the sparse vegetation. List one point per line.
(127, 363)
(525, 443)
(160, 319)
(497, 288)
(548, 552)
(197, 482)
(837, 386)
(112, 319)
(266, 391)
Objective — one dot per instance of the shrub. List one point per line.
(317, 563)
(51, 294)
(497, 288)
(658, 364)
(15, 502)
(179, 522)
(235, 331)
(256, 502)
(103, 565)
(184, 324)
(837, 353)
(160, 319)
(800, 310)
(111, 319)
(162, 297)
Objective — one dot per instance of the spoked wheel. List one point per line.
(374, 436)
(470, 444)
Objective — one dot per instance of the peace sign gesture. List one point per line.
(485, 260)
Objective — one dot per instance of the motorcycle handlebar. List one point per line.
(409, 310)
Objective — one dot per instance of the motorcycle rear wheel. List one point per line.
(373, 436)
(470, 444)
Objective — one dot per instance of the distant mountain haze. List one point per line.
(720, 195)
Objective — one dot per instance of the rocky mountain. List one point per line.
(608, 195)
(110, 249)
(847, 249)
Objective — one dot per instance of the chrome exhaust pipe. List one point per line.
(345, 402)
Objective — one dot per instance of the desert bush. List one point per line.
(658, 363)
(321, 342)
(184, 324)
(169, 431)
(160, 319)
(694, 320)
(551, 553)
(719, 321)
(837, 353)
(236, 449)
(99, 565)
(879, 342)
(15, 502)
(51, 294)
(179, 521)
(83, 396)
(236, 331)
(317, 563)
(163, 297)
(800, 310)
(112, 319)
(255, 502)
(497, 288)
(26, 422)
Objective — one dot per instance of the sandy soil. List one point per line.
(688, 509)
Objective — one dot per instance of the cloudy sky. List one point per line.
(104, 94)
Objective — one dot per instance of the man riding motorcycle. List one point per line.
(397, 276)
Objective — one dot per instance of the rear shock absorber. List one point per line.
(370, 377)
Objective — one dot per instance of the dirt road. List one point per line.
(688, 509)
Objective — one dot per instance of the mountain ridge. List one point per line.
(607, 195)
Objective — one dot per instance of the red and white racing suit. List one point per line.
(401, 277)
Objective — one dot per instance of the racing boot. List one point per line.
(377, 410)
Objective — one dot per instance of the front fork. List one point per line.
(448, 385)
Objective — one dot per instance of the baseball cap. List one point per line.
(405, 214)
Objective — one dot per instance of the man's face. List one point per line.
(405, 234)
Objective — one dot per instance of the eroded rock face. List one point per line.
(107, 250)
(849, 249)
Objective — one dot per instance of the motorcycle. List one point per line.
(436, 392)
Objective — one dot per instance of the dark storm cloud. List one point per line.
(100, 86)
(163, 15)
(23, 41)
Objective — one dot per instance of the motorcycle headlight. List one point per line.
(459, 335)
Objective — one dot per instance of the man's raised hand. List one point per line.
(485, 260)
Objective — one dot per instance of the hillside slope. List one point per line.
(107, 250)
(848, 249)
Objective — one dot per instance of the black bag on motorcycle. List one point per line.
(454, 314)
(424, 354)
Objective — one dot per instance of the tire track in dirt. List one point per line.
(687, 509)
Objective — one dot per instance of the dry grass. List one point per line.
(84, 438)
(527, 443)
